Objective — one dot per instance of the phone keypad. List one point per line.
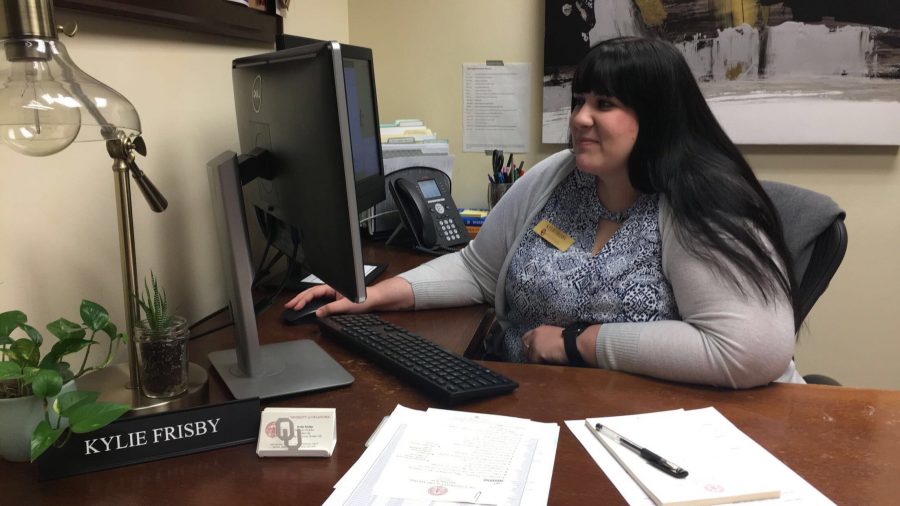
(448, 227)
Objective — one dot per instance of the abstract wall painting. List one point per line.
(774, 72)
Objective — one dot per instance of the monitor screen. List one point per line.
(364, 134)
(312, 108)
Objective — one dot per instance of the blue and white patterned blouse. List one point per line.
(624, 282)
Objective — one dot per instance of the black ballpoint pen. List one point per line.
(653, 459)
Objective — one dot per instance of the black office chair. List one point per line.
(817, 239)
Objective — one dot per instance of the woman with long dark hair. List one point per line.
(648, 246)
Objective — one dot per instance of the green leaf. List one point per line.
(68, 401)
(61, 348)
(10, 370)
(64, 329)
(94, 415)
(5, 341)
(24, 352)
(10, 320)
(43, 436)
(46, 383)
(110, 330)
(32, 333)
(144, 306)
(65, 370)
(155, 305)
(94, 316)
(28, 374)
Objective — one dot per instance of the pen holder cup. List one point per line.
(495, 191)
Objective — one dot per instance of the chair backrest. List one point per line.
(816, 238)
(826, 258)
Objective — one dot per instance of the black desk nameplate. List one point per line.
(154, 437)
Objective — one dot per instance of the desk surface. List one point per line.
(844, 441)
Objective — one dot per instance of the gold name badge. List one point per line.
(559, 239)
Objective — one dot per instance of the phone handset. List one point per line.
(427, 210)
(416, 210)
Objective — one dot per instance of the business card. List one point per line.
(297, 432)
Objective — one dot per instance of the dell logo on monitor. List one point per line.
(256, 93)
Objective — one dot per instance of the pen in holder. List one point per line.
(503, 176)
(495, 191)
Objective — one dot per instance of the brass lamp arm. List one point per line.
(122, 149)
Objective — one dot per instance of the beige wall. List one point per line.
(57, 214)
(319, 19)
(420, 46)
(419, 49)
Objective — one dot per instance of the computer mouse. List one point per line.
(305, 314)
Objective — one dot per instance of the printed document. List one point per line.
(496, 107)
(452, 457)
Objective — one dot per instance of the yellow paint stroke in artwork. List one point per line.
(734, 72)
(652, 11)
(737, 12)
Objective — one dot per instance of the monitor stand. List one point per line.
(250, 369)
(288, 368)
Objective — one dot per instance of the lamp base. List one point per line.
(112, 383)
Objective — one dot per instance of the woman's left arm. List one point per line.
(726, 337)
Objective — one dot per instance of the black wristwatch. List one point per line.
(570, 335)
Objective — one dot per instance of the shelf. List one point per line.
(218, 17)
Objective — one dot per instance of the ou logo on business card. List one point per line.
(256, 93)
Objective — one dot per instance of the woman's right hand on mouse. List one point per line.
(391, 294)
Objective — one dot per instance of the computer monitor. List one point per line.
(308, 127)
(303, 94)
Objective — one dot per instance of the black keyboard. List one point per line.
(449, 378)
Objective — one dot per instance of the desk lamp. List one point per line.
(46, 104)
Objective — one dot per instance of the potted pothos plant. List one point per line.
(39, 405)
(161, 339)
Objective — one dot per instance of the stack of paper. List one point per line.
(410, 137)
(451, 456)
(405, 131)
(724, 464)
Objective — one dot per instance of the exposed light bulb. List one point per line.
(47, 102)
(38, 115)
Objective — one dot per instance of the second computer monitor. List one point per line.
(313, 109)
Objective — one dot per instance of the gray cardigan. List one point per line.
(725, 338)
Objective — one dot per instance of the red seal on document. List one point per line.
(270, 429)
(437, 490)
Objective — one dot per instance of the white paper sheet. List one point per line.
(383, 468)
(496, 107)
(460, 457)
(794, 489)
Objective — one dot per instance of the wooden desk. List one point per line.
(844, 441)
